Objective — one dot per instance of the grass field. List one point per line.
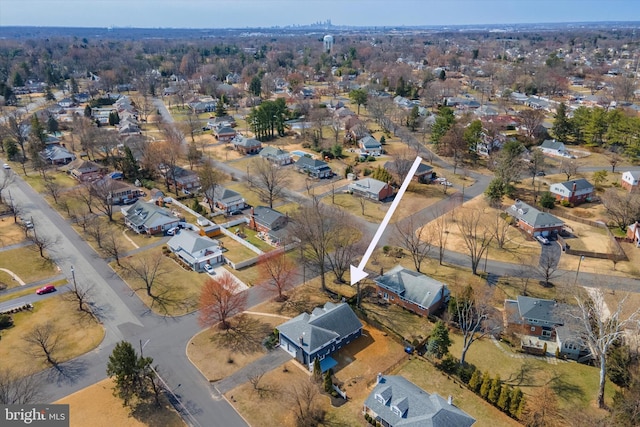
(76, 333)
(27, 264)
(10, 232)
(96, 406)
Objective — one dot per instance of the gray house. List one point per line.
(313, 167)
(276, 155)
(320, 334)
(371, 189)
(412, 290)
(396, 401)
(195, 250)
(147, 218)
(228, 200)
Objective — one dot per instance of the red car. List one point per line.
(46, 289)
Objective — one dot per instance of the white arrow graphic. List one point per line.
(358, 273)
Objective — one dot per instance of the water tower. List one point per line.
(328, 43)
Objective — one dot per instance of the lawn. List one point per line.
(10, 232)
(27, 264)
(76, 333)
(98, 407)
(236, 251)
(35, 180)
(406, 324)
(175, 290)
(252, 237)
(575, 384)
(218, 354)
(373, 211)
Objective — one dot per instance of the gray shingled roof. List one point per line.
(191, 242)
(226, 196)
(538, 309)
(266, 216)
(368, 185)
(552, 144)
(323, 325)
(149, 215)
(415, 287)
(417, 408)
(310, 163)
(581, 184)
(533, 216)
(273, 152)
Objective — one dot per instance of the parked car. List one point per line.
(236, 212)
(46, 289)
(28, 224)
(209, 269)
(541, 173)
(130, 201)
(542, 240)
(173, 231)
(6, 166)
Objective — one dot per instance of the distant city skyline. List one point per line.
(269, 13)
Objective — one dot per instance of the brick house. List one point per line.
(630, 180)
(533, 316)
(575, 192)
(247, 145)
(371, 189)
(533, 221)
(224, 133)
(315, 168)
(411, 290)
(265, 219)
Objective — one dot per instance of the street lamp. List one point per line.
(73, 276)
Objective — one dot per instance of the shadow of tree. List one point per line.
(523, 377)
(245, 335)
(564, 389)
(66, 373)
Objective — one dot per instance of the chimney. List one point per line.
(379, 378)
(574, 187)
(301, 339)
(450, 400)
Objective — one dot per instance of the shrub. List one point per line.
(449, 364)
(367, 417)
(547, 200)
(367, 172)
(6, 321)
(371, 159)
(465, 372)
(557, 352)
(566, 203)
(476, 381)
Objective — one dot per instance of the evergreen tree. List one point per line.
(114, 118)
(383, 140)
(486, 385)
(494, 391)
(514, 402)
(521, 406)
(87, 111)
(359, 97)
(52, 125)
(255, 87)
(473, 135)
(37, 133)
(444, 121)
(328, 383)
(561, 125)
(18, 81)
(401, 88)
(11, 148)
(442, 75)
(412, 119)
(381, 174)
(547, 200)
(317, 372)
(439, 341)
(476, 381)
(129, 166)
(494, 192)
(74, 86)
(48, 95)
(133, 375)
(503, 400)
(221, 111)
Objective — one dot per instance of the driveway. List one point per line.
(550, 254)
(266, 363)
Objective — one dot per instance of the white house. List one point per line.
(195, 250)
(552, 147)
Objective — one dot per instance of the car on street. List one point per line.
(28, 224)
(542, 240)
(209, 269)
(6, 166)
(540, 173)
(46, 289)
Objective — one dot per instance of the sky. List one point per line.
(267, 13)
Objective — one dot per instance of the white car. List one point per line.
(209, 269)
(173, 231)
(6, 166)
(542, 240)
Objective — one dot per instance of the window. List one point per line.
(533, 328)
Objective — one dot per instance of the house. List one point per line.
(320, 334)
(184, 179)
(276, 156)
(66, 102)
(224, 133)
(222, 121)
(57, 155)
(423, 175)
(397, 402)
(266, 219)
(228, 200)
(630, 180)
(412, 290)
(84, 170)
(195, 250)
(533, 316)
(575, 192)
(371, 189)
(247, 145)
(533, 221)
(571, 345)
(633, 233)
(121, 192)
(370, 146)
(314, 168)
(552, 147)
(148, 218)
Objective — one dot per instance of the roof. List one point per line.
(415, 287)
(273, 152)
(225, 130)
(191, 242)
(533, 216)
(368, 185)
(226, 196)
(370, 142)
(634, 174)
(266, 216)
(538, 309)
(148, 215)
(422, 168)
(310, 163)
(56, 152)
(552, 144)
(416, 407)
(581, 184)
(323, 325)
(247, 142)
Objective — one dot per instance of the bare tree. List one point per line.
(85, 195)
(601, 329)
(569, 167)
(402, 162)
(19, 388)
(536, 164)
(345, 247)
(210, 178)
(276, 272)
(623, 207)
(103, 190)
(112, 245)
(80, 294)
(614, 158)
(547, 268)
(41, 242)
(42, 341)
(220, 299)
(147, 268)
(5, 181)
(475, 234)
(441, 234)
(168, 153)
(413, 235)
(96, 229)
(269, 178)
(476, 318)
(303, 399)
(500, 230)
(531, 119)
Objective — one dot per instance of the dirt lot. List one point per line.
(96, 406)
